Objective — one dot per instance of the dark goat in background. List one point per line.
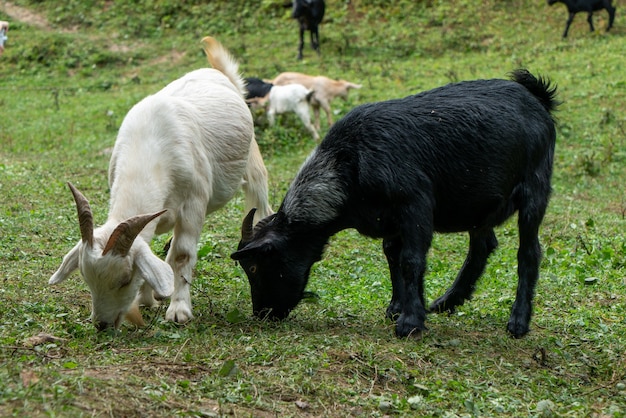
(257, 88)
(463, 157)
(589, 6)
(309, 14)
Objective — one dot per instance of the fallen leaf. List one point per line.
(42, 338)
(28, 377)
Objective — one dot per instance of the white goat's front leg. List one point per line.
(303, 113)
(316, 114)
(271, 116)
(146, 296)
(329, 113)
(182, 256)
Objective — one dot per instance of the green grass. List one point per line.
(64, 89)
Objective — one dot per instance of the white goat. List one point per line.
(291, 98)
(326, 89)
(179, 155)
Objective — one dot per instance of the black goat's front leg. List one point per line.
(481, 245)
(414, 243)
(410, 323)
(301, 44)
(392, 248)
(570, 19)
(590, 21)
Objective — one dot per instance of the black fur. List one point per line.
(463, 157)
(255, 87)
(309, 14)
(589, 6)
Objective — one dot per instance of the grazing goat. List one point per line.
(589, 6)
(291, 98)
(326, 90)
(179, 155)
(256, 88)
(463, 157)
(309, 14)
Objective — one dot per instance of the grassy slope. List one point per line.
(64, 89)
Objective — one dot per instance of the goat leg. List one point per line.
(570, 19)
(391, 248)
(482, 244)
(590, 21)
(301, 44)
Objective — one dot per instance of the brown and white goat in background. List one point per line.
(326, 89)
(179, 155)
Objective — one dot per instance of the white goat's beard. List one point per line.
(134, 315)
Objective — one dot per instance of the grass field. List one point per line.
(72, 70)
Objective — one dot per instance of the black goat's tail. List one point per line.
(540, 87)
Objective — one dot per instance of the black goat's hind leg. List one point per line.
(611, 11)
(315, 40)
(481, 245)
(530, 216)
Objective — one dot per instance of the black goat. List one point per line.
(309, 14)
(589, 6)
(257, 88)
(463, 157)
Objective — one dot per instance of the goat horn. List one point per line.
(125, 233)
(247, 233)
(85, 216)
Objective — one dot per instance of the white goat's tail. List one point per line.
(221, 60)
(255, 184)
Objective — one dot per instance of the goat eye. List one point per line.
(253, 269)
(125, 281)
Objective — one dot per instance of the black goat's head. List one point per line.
(277, 269)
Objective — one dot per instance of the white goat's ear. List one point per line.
(68, 265)
(155, 271)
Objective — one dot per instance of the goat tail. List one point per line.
(539, 87)
(310, 95)
(255, 185)
(223, 61)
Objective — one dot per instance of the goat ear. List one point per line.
(253, 248)
(68, 265)
(155, 271)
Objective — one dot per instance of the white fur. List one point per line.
(186, 149)
(291, 98)
(326, 89)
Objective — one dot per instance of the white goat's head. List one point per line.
(345, 87)
(114, 265)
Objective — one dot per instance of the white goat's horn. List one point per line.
(247, 232)
(85, 217)
(125, 233)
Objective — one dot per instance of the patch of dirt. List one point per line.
(22, 14)
(25, 15)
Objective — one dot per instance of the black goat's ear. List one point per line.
(253, 249)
